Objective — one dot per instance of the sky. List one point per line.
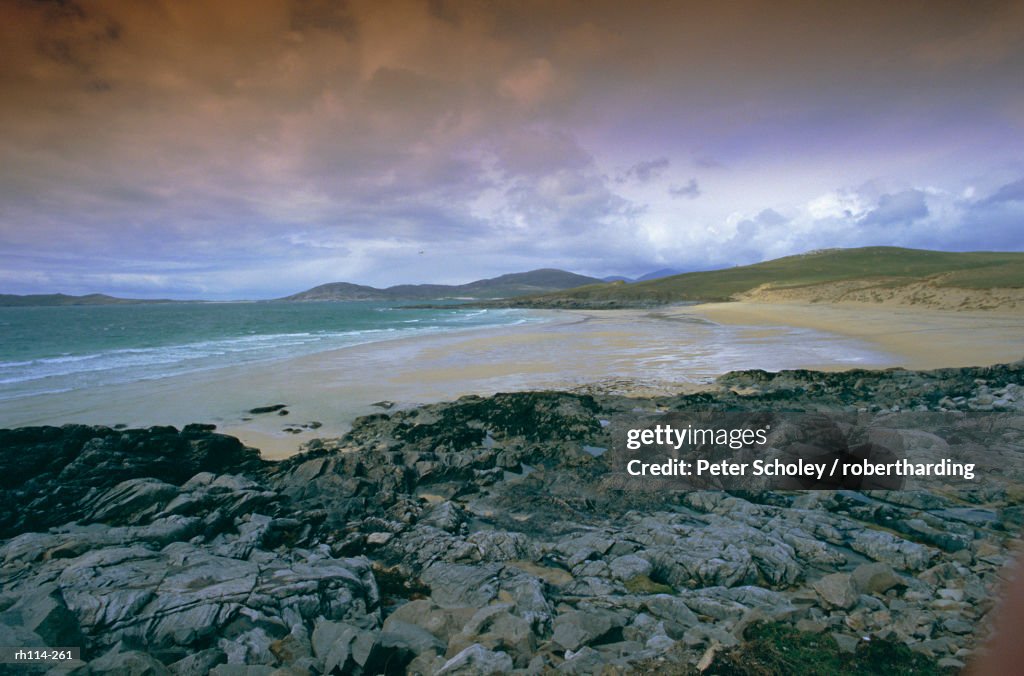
(214, 149)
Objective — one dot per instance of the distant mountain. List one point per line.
(59, 299)
(867, 273)
(658, 274)
(505, 286)
(340, 291)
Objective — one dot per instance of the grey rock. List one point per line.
(476, 659)
(673, 612)
(584, 661)
(629, 566)
(44, 612)
(958, 625)
(578, 628)
(846, 643)
(331, 643)
(893, 550)
(446, 516)
(242, 670)
(462, 586)
(875, 578)
(495, 628)
(131, 502)
(198, 663)
(127, 663)
(502, 545)
(250, 647)
(837, 590)
(441, 622)
(400, 644)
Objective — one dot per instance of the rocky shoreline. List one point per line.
(490, 535)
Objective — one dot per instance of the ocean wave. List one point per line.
(67, 371)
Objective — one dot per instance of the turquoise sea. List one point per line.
(61, 349)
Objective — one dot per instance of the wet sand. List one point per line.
(634, 352)
(923, 338)
(628, 351)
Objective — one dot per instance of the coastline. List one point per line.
(452, 525)
(922, 338)
(638, 352)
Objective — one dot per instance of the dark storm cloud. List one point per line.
(210, 147)
(901, 208)
(1011, 192)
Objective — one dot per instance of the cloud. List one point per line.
(225, 150)
(1011, 192)
(900, 208)
(529, 84)
(647, 171)
(690, 191)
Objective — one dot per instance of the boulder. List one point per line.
(837, 591)
(398, 645)
(578, 628)
(875, 578)
(476, 659)
(495, 628)
(127, 663)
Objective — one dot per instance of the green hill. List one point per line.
(882, 267)
(60, 299)
(515, 284)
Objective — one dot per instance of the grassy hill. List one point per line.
(884, 267)
(59, 299)
(505, 286)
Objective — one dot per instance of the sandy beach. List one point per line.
(921, 338)
(639, 352)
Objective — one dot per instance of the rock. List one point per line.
(196, 543)
(426, 663)
(198, 663)
(837, 590)
(584, 661)
(44, 612)
(958, 625)
(331, 643)
(85, 461)
(495, 628)
(502, 546)
(875, 578)
(462, 586)
(890, 549)
(182, 595)
(441, 622)
(250, 647)
(675, 615)
(446, 516)
(272, 408)
(399, 644)
(127, 663)
(130, 502)
(629, 566)
(476, 659)
(295, 648)
(242, 670)
(951, 663)
(578, 628)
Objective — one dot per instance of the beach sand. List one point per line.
(922, 338)
(639, 352)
